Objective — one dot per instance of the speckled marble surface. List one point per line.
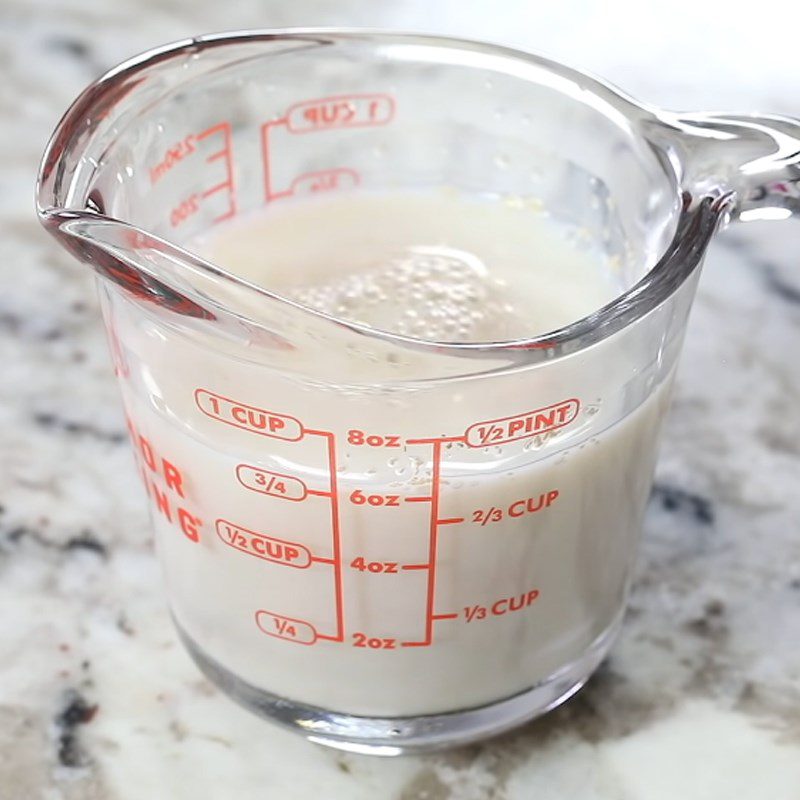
(699, 700)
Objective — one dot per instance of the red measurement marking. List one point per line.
(333, 495)
(450, 521)
(432, 546)
(340, 111)
(501, 607)
(507, 605)
(174, 155)
(434, 533)
(262, 546)
(325, 180)
(269, 194)
(225, 153)
(445, 616)
(337, 541)
(373, 642)
(188, 207)
(248, 418)
(357, 438)
(358, 498)
(471, 613)
(491, 514)
(530, 505)
(180, 152)
(522, 426)
(289, 628)
(376, 567)
(416, 566)
(337, 534)
(271, 483)
(519, 508)
(417, 499)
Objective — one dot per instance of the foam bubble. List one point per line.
(433, 293)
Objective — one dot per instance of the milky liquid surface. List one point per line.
(433, 266)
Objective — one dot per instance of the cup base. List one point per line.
(391, 736)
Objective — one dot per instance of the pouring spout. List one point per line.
(165, 278)
(125, 256)
(162, 277)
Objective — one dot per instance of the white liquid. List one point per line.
(437, 267)
(530, 541)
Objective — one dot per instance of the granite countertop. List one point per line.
(700, 698)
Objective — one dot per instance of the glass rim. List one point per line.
(696, 221)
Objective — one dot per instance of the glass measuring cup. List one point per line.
(402, 544)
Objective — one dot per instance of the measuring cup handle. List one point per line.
(755, 158)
